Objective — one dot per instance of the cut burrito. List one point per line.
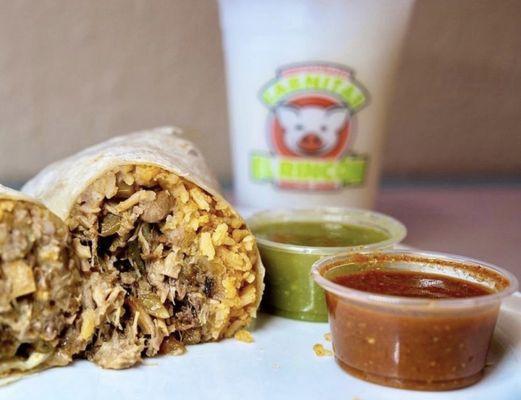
(39, 286)
(166, 261)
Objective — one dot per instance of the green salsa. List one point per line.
(290, 290)
(320, 234)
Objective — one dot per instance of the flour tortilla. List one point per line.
(10, 194)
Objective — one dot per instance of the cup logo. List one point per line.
(310, 122)
(310, 127)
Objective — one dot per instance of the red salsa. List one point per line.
(411, 284)
(437, 344)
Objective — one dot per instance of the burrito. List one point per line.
(39, 286)
(165, 259)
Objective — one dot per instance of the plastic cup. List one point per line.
(413, 343)
(308, 88)
(290, 291)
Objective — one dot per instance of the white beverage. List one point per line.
(308, 88)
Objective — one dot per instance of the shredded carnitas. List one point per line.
(164, 264)
(39, 289)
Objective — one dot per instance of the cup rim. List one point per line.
(392, 300)
(320, 213)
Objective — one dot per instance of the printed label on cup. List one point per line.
(310, 129)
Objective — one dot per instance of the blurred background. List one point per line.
(73, 73)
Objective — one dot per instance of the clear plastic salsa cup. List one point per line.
(413, 343)
(290, 290)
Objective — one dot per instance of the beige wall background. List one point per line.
(73, 73)
(457, 107)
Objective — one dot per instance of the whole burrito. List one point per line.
(39, 286)
(165, 260)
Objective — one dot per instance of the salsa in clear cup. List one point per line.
(290, 241)
(413, 320)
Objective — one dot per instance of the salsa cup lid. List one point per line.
(502, 282)
(365, 218)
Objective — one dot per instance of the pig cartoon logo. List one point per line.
(311, 131)
(312, 111)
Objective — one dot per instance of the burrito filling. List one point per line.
(39, 288)
(165, 264)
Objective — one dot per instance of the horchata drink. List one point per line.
(308, 87)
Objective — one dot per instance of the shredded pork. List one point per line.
(164, 263)
(39, 288)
